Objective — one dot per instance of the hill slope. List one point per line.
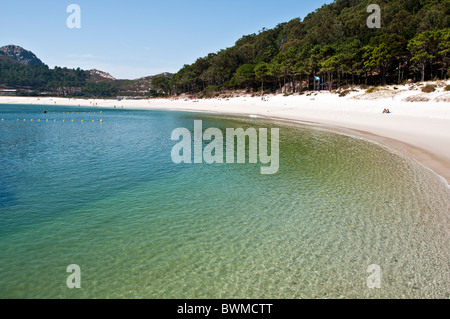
(20, 55)
(334, 44)
(21, 69)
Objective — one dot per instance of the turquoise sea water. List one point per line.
(107, 197)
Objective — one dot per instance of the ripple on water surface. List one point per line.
(107, 197)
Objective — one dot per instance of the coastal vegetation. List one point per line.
(332, 44)
(330, 48)
(429, 88)
(33, 79)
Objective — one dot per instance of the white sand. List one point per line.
(420, 130)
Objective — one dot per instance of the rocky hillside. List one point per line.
(138, 87)
(21, 69)
(100, 76)
(20, 55)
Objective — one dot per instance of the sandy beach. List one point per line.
(415, 128)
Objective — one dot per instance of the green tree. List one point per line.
(262, 72)
(162, 84)
(245, 75)
(382, 51)
(423, 48)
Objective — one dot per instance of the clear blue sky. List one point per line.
(137, 38)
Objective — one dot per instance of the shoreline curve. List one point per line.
(419, 131)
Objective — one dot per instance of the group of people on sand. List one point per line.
(386, 111)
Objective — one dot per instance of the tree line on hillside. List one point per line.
(59, 81)
(333, 44)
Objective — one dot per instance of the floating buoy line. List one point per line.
(54, 120)
(63, 120)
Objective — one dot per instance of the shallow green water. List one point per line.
(108, 198)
